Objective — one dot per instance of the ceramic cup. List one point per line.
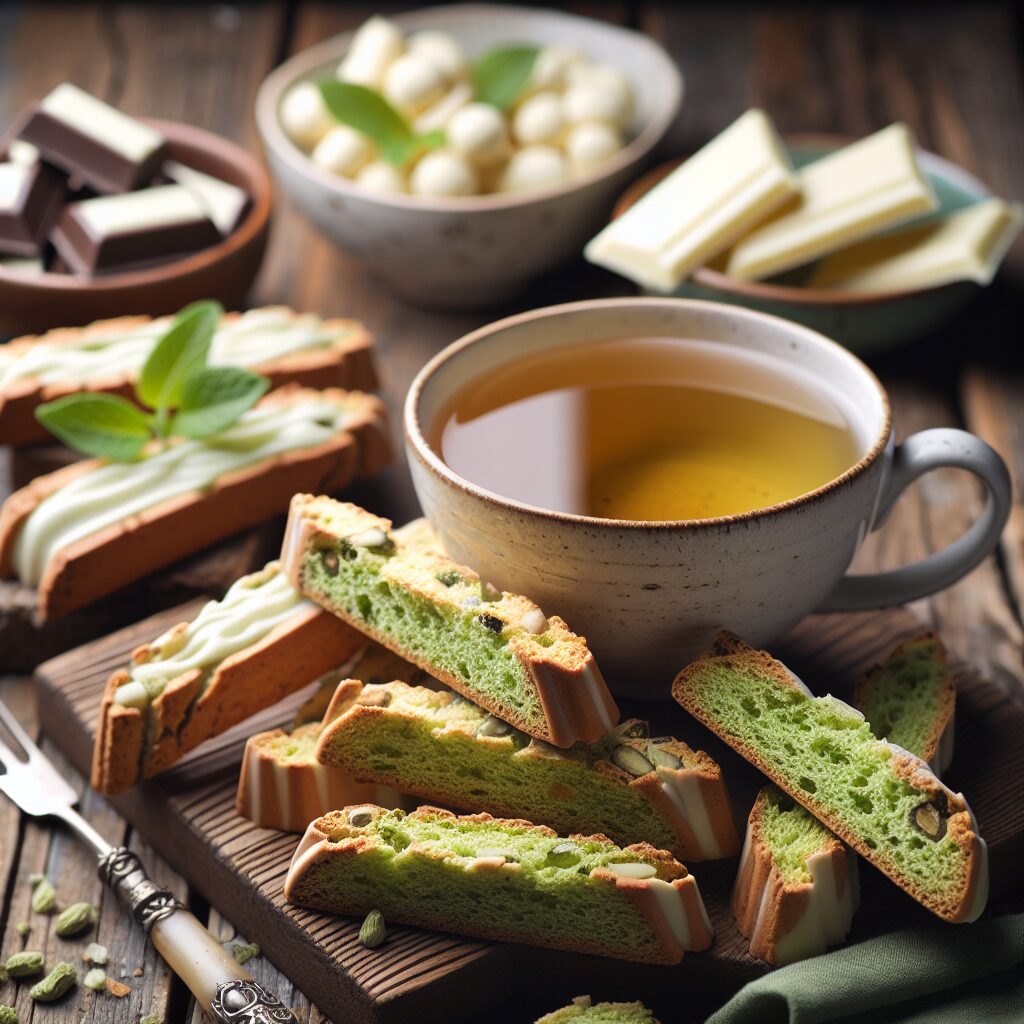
(649, 596)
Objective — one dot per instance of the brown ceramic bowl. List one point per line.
(36, 302)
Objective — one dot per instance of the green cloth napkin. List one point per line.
(972, 974)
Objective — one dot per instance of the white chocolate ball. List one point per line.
(590, 143)
(478, 131)
(552, 66)
(443, 173)
(376, 44)
(538, 119)
(439, 113)
(342, 151)
(381, 177)
(532, 167)
(412, 83)
(602, 93)
(440, 49)
(304, 115)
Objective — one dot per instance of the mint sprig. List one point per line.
(368, 112)
(501, 74)
(186, 397)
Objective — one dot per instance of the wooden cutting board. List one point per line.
(189, 816)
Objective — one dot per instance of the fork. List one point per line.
(225, 990)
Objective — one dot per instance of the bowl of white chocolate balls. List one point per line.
(459, 152)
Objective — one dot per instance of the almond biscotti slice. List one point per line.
(443, 748)
(583, 1010)
(275, 341)
(910, 700)
(880, 799)
(259, 643)
(88, 529)
(797, 886)
(401, 589)
(498, 878)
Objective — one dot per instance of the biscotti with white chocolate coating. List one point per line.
(503, 879)
(402, 590)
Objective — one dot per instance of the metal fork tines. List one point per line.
(35, 785)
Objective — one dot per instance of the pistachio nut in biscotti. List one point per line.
(107, 356)
(441, 747)
(503, 879)
(259, 643)
(401, 589)
(879, 798)
(583, 1010)
(90, 528)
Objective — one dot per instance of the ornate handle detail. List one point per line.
(123, 872)
(246, 1002)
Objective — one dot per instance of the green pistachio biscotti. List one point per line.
(443, 748)
(402, 590)
(498, 878)
(582, 1010)
(880, 799)
(910, 700)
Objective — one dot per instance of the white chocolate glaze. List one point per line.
(256, 338)
(682, 787)
(110, 493)
(594, 683)
(673, 909)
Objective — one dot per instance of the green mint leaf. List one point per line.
(368, 112)
(180, 352)
(214, 398)
(501, 75)
(103, 426)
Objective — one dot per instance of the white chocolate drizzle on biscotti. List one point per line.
(682, 787)
(112, 492)
(255, 338)
(252, 607)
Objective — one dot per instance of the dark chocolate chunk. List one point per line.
(31, 195)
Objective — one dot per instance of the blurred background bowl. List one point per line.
(863, 322)
(30, 303)
(473, 251)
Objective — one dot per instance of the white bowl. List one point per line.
(466, 252)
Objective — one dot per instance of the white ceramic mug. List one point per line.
(649, 596)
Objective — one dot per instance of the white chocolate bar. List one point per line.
(225, 204)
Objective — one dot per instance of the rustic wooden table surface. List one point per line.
(955, 75)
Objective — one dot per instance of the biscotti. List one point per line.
(443, 748)
(502, 879)
(86, 530)
(401, 589)
(275, 341)
(910, 700)
(241, 654)
(880, 799)
(797, 886)
(583, 1010)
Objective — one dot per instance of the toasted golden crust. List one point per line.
(346, 363)
(105, 561)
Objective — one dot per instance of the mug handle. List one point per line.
(919, 453)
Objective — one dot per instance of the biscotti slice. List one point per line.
(498, 878)
(275, 341)
(241, 654)
(583, 1010)
(401, 589)
(445, 749)
(910, 700)
(88, 529)
(797, 886)
(880, 799)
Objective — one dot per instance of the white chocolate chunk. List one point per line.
(532, 167)
(633, 870)
(381, 177)
(856, 192)
(442, 50)
(967, 245)
(478, 132)
(222, 201)
(375, 46)
(441, 111)
(443, 173)
(304, 115)
(599, 93)
(701, 208)
(343, 151)
(538, 119)
(591, 143)
(411, 84)
(14, 179)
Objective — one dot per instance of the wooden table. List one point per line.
(955, 76)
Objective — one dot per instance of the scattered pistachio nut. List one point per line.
(75, 919)
(373, 931)
(151, 1018)
(23, 928)
(631, 761)
(8, 1015)
(44, 897)
(35, 878)
(493, 726)
(96, 979)
(56, 984)
(117, 988)
(360, 819)
(449, 577)
(25, 964)
(928, 819)
(94, 953)
(662, 758)
(243, 952)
